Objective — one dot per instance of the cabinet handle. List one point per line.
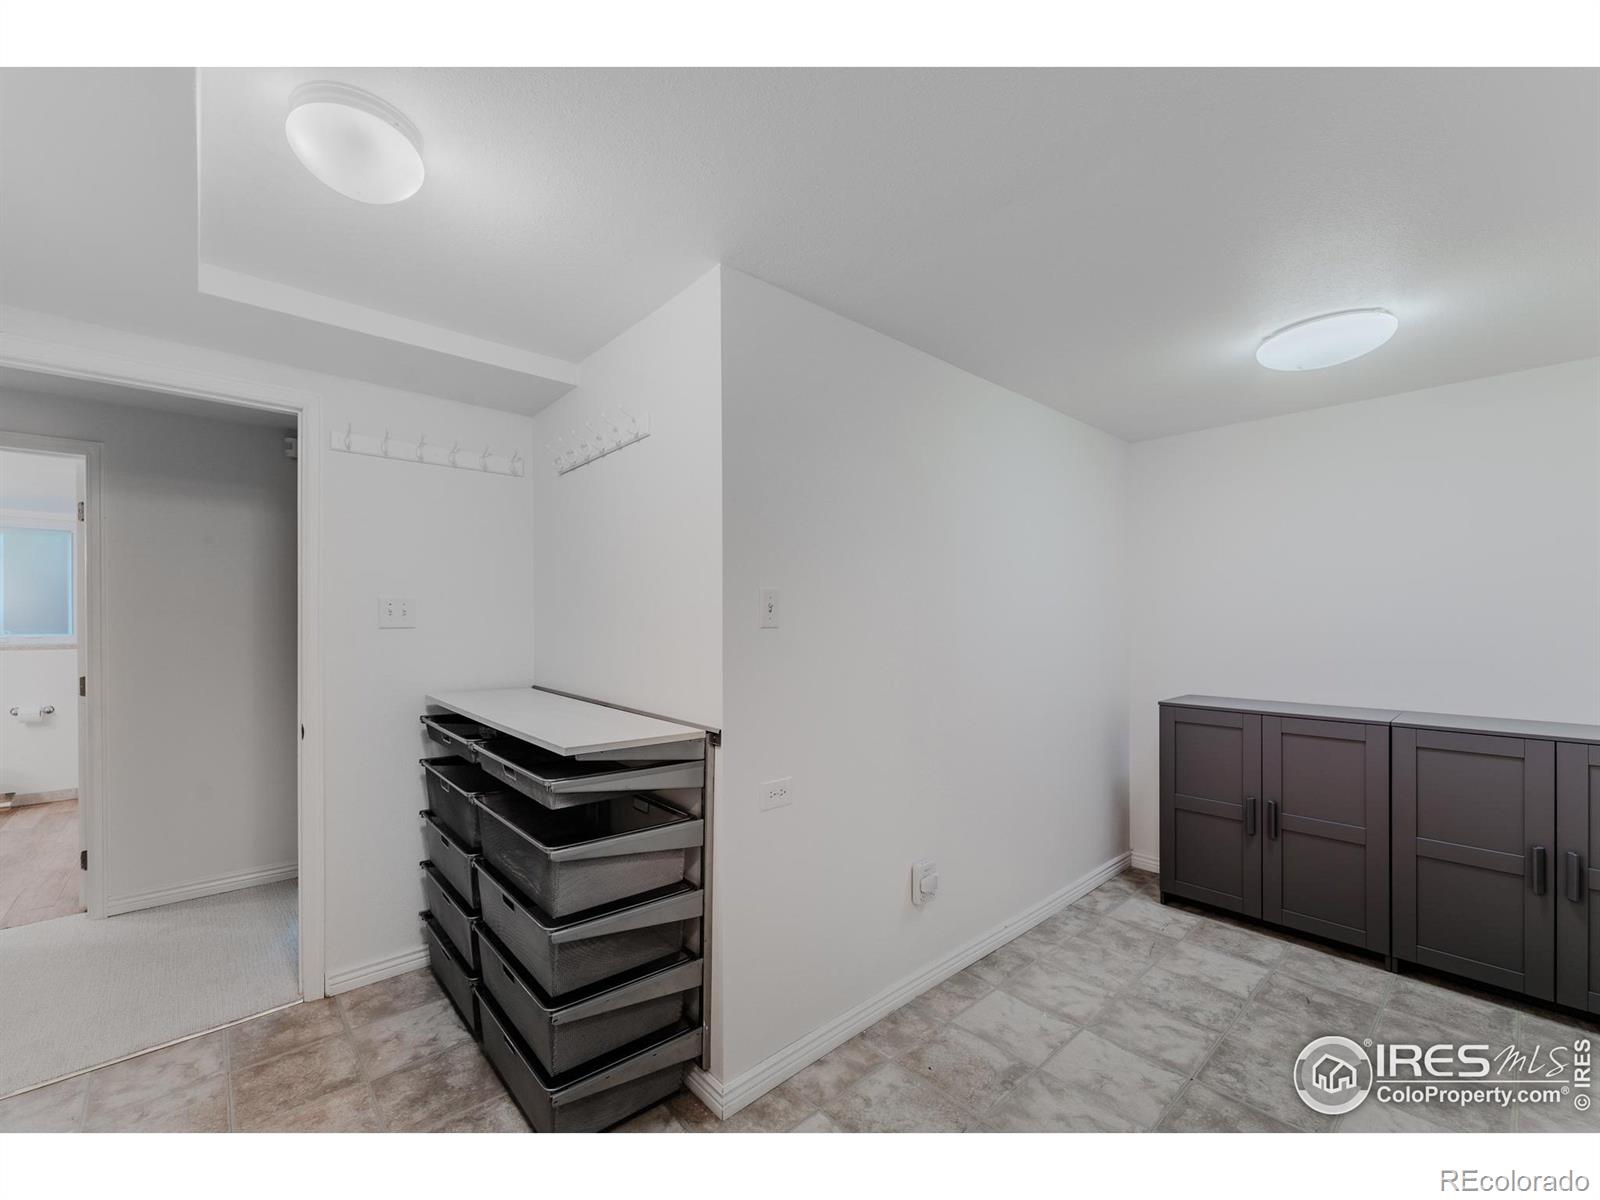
(1272, 819)
(1573, 868)
(1540, 865)
(1250, 803)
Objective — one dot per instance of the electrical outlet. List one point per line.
(924, 882)
(396, 612)
(769, 608)
(776, 793)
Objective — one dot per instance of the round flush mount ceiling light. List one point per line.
(354, 142)
(1327, 341)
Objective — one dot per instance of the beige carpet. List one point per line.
(76, 993)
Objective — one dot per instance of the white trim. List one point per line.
(727, 1099)
(81, 362)
(377, 970)
(214, 886)
(1145, 862)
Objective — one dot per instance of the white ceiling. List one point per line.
(1111, 243)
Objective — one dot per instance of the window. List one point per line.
(36, 583)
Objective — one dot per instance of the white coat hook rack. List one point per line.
(577, 450)
(432, 454)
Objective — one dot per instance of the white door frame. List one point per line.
(88, 633)
(77, 362)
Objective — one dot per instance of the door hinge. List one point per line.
(83, 860)
(83, 685)
(80, 510)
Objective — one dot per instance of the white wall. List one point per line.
(949, 678)
(628, 549)
(42, 756)
(1438, 550)
(457, 543)
(198, 529)
(453, 540)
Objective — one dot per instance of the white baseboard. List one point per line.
(1145, 862)
(214, 886)
(376, 971)
(725, 1099)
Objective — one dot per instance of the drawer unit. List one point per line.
(556, 781)
(455, 917)
(454, 785)
(567, 912)
(457, 979)
(453, 860)
(567, 1034)
(571, 859)
(566, 954)
(593, 1099)
(458, 735)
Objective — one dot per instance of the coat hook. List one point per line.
(455, 449)
(422, 442)
(516, 462)
(384, 445)
(348, 436)
(483, 460)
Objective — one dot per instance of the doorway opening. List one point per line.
(180, 912)
(41, 573)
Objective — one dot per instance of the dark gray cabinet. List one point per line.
(1211, 807)
(1279, 811)
(1485, 865)
(1474, 833)
(1325, 854)
(1577, 877)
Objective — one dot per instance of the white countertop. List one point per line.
(561, 724)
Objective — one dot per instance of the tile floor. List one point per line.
(1115, 1014)
(38, 863)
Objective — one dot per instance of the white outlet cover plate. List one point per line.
(776, 793)
(396, 612)
(770, 598)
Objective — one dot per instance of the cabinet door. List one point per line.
(1325, 849)
(1211, 807)
(1474, 857)
(1577, 908)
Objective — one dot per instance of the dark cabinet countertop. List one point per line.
(1555, 731)
(1279, 708)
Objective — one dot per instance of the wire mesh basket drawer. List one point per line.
(455, 918)
(453, 785)
(457, 734)
(594, 1098)
(570, 859)
(556, 781)
(563, 955)
(453, 860)
(455, 977)
(567, 1034)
